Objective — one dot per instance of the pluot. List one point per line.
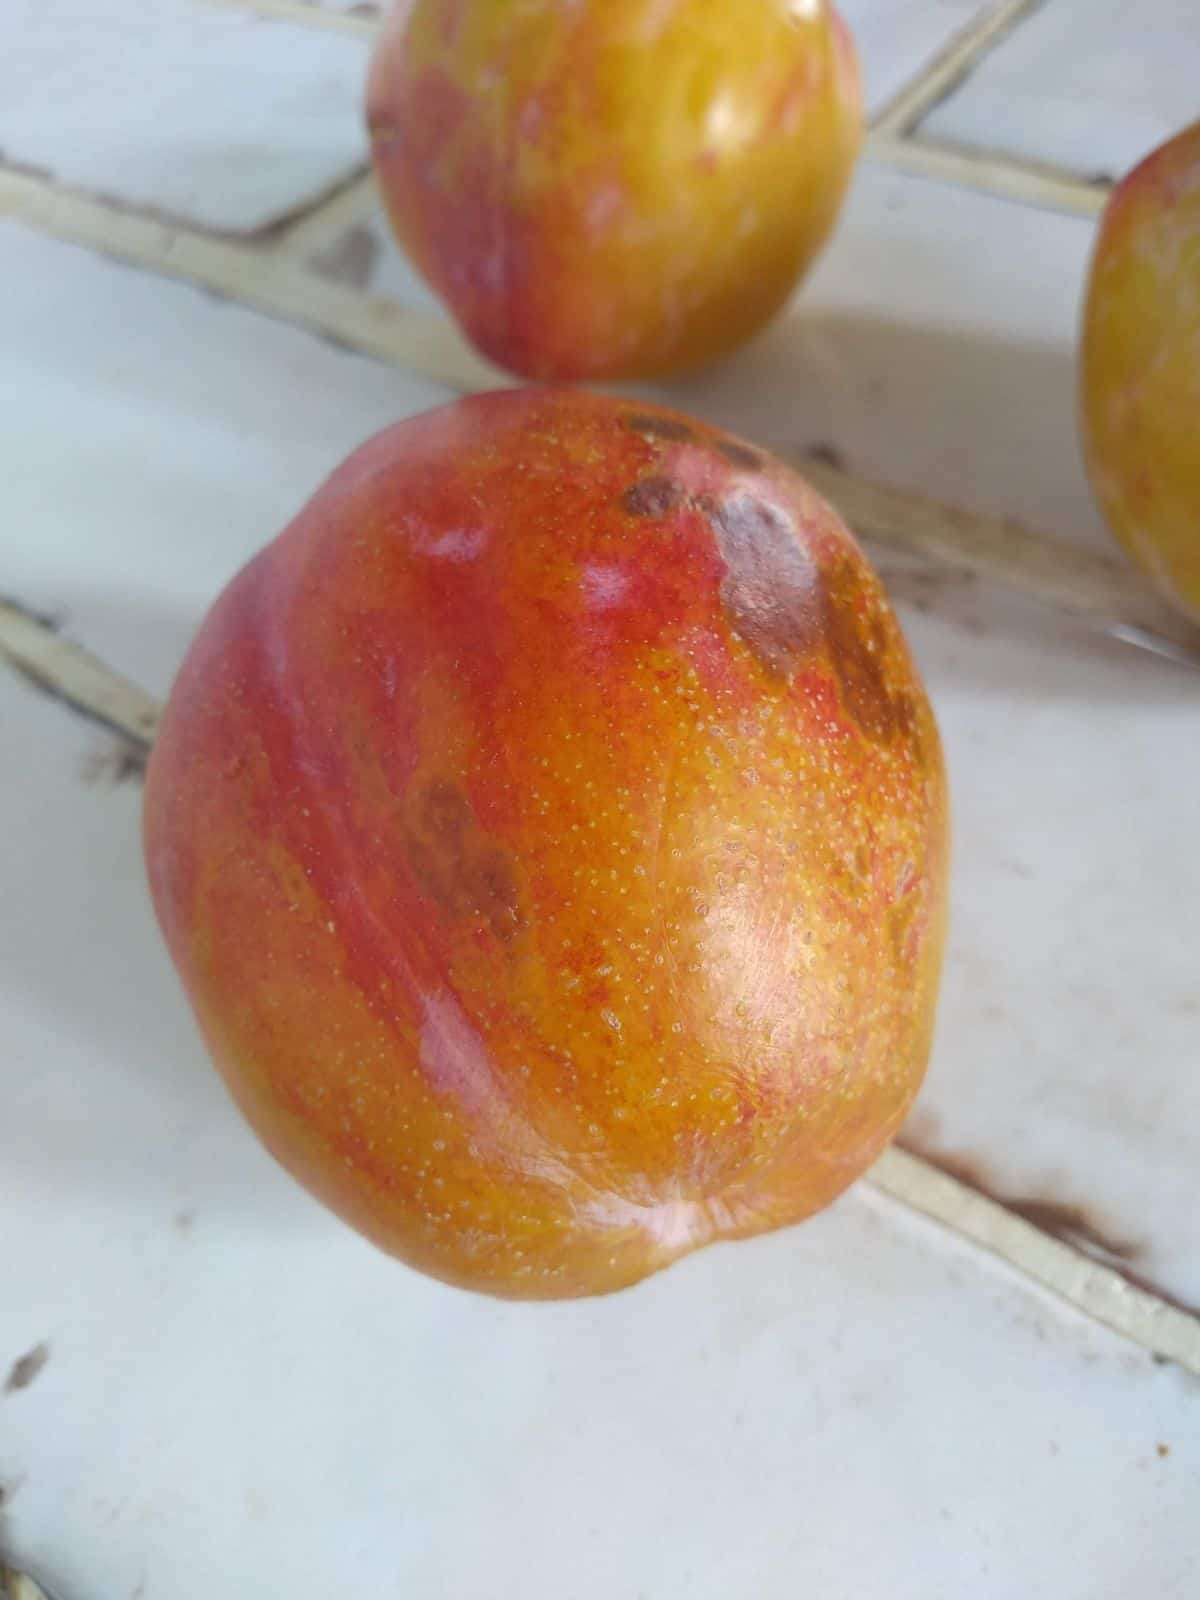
(550, 830)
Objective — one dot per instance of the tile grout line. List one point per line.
(960, 56)
(308, 15)
(78, 679)
(1100, 592)
(1100, 1292)
(1025, 182)
(892, 137)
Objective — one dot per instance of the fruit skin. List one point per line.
(1140, 373)
(550, 830)
(613, 188)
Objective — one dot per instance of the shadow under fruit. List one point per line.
(549, 827)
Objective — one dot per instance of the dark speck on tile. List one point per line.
(26, 1368)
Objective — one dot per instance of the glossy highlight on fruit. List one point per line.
(1140, 378)
(611, 188)
(549, 827)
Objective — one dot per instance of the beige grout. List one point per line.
(1104, 593)
(947, 69)
(69, 673)
(426, 343)
(1026, 181)
(1075, 582)
(308, 15)
(1099, 1291)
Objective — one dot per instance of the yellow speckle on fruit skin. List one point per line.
(1140, 367)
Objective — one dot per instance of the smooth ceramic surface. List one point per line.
(1092, 85)
(207, 1386)
(215, 116)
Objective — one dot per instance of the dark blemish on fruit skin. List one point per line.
(771, 588)
(660, 427)
(858, 643)
(783, 606)
(444, 811)
(496, 895)
(652, 497)
(26, 1368)
(457, 866)
(740, 455)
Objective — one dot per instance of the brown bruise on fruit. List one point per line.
(652, 497)
(860, 646)
(554, 896)
(457, 866)
(772, 588)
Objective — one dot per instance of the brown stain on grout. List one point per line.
(1064, 1220)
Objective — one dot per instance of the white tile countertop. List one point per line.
(978, 1374)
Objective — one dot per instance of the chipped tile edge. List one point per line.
(87, 686)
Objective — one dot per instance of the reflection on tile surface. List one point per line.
(860, 1406)
(1092, 85)
(120, 99)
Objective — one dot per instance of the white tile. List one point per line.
(898, 38)
(158, 437)
(1092, 85)
(213, 115)
(241, 1397)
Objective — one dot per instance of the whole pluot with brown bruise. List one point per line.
(602, 188)
(550, 830)
(1140, 367)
